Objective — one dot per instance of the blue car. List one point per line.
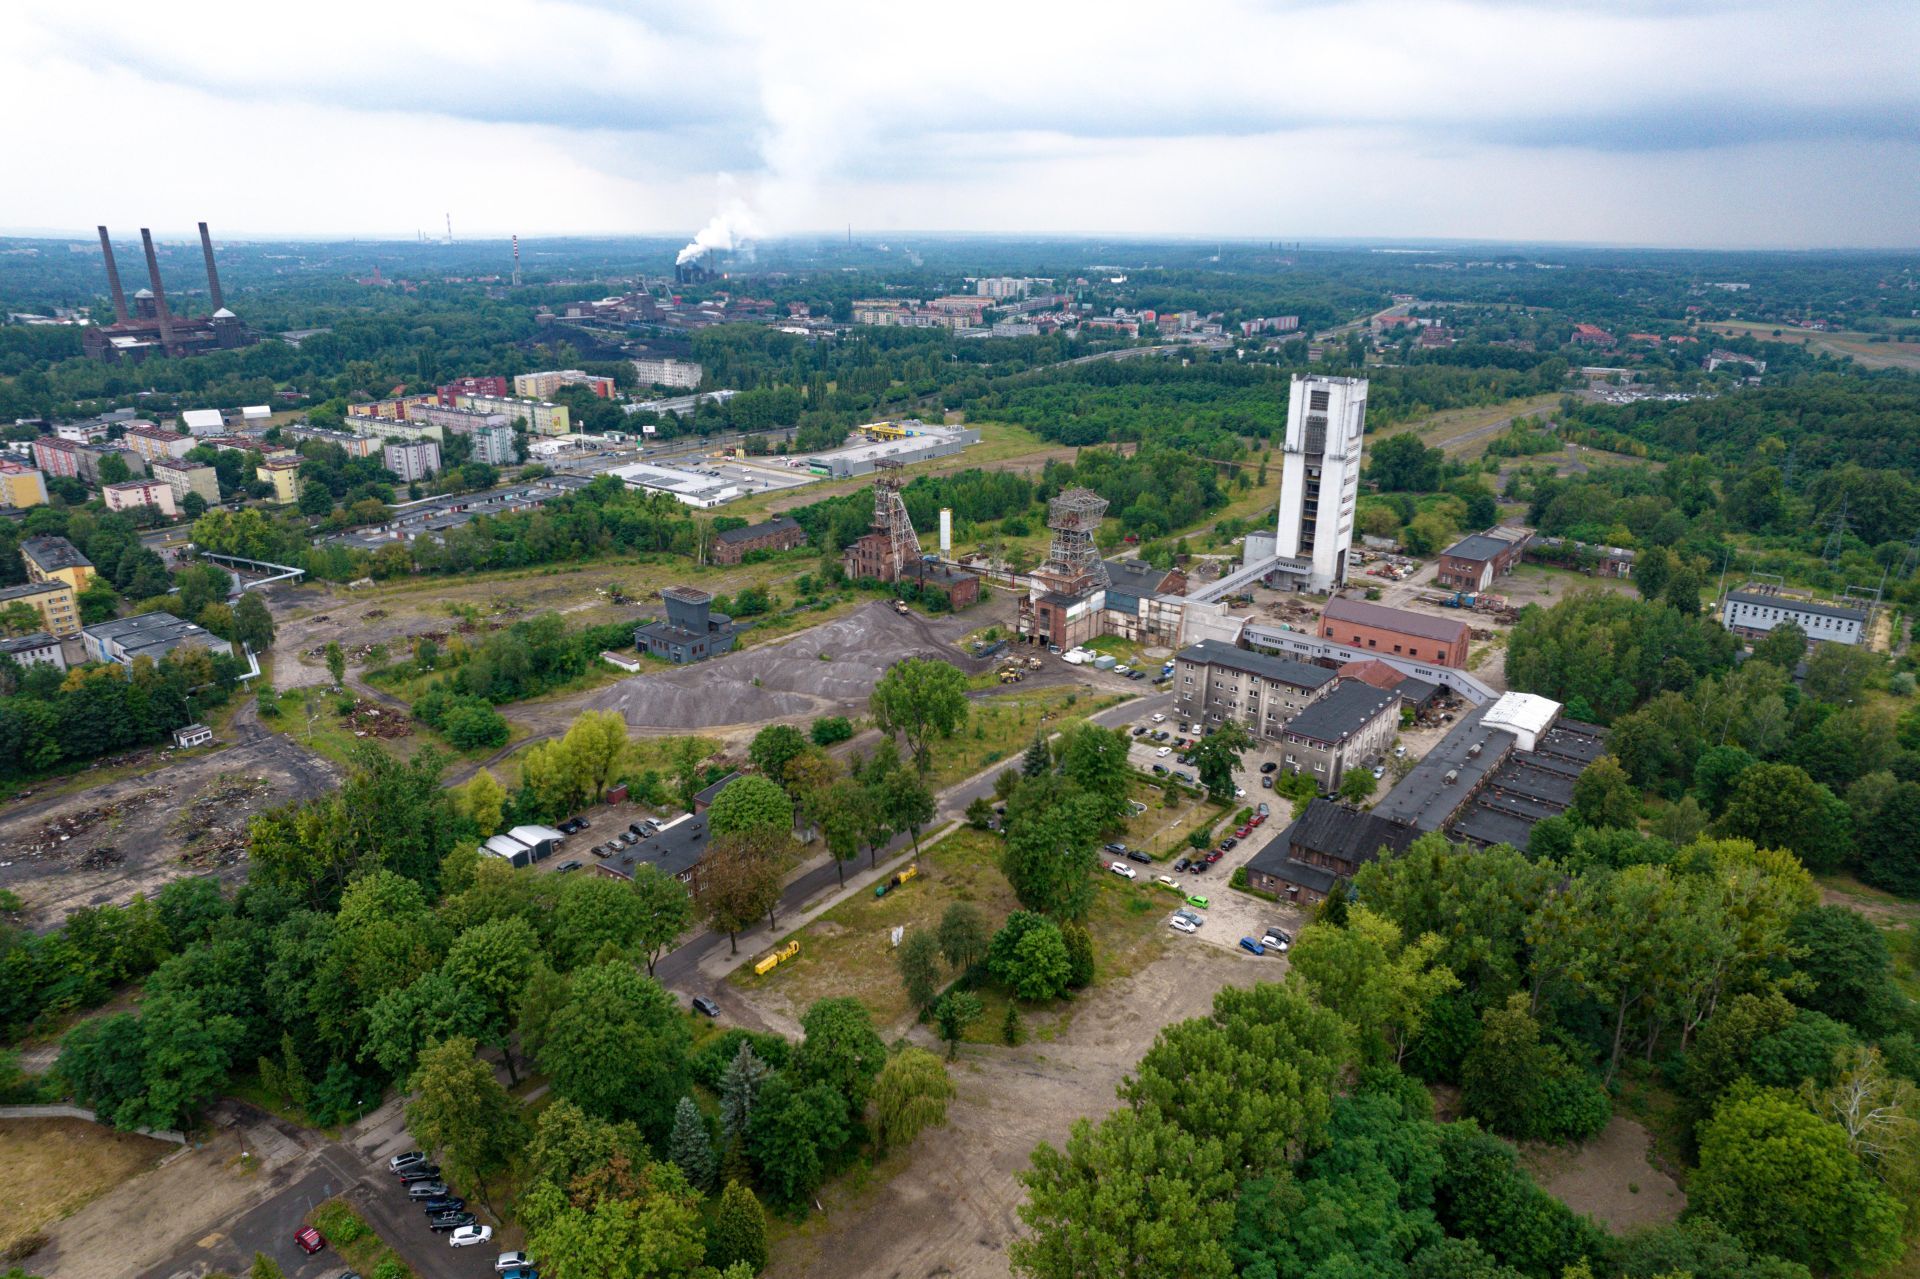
(1249, 944)
(520, 1272)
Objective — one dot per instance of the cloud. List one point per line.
(1761, 120)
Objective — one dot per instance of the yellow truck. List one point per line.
(773, 960)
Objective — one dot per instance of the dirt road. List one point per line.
(951, 1210)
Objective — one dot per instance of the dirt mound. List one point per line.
(814, 672)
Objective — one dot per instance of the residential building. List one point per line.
(1591, 335)
(131, 493)
(91, 456)
(669, 372)
(284, 475)
(396, 409)
(782, 534)
(55, 559)
(542, 386)
(1472, 563)
(185, 477)
(541, 417)
(151, 635)
(1396, 631)
(1001, 287)
(21, 486)
(57, 457)
(54, 600)
(38, 649)
(471, 386)
(156, 442)
(394, 428)
(1320, 476)
(1351, 726)
(459, 421)
(691, 631)
(1324, 846)
(1216, 683)
(412, 460)
(1753, 611)
(675, 849)
(353, 445)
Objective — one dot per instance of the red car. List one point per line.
(1244, 831)
(309, 1239)
(1214, 857)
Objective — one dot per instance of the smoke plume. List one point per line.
(727, 229)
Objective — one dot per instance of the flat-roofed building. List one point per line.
(21, 486)
(470, 386)
(93, 457)
(284, 474)
(152, 635)
(55, 601)
(57, 457)
(185, 477)
(669, 372)
(541, 417)
(1216, 683)
(543, 386)
(412, 460)
(128, 494)
(1396, 631)
(1752, 613)
(691, 630)
(156, 442)
(38, 649)
(55, 559)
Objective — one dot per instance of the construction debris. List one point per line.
(370, 719)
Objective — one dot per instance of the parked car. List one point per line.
(511, 1261)
(1160, 769)
(419, 1172)
(1116, 848)
(1140, 730)
(520, 1272)
(1181, 864)
(450, 1221)
(705, 1007)
(1263, 810)
(1399, 752)
(1269, 767)
(1286, 938)
(1136, 674)
(1266, 782)
(1164, 751)
(1185, 777)
(1135, 855)
(1213, 858)
(1244, 831)
(309, 1239)
(1239, 792)
(1379, 771)
(426, 1190)
(1272, 942)
(1191, 917)
(1124, 871)
(467, 1236)
(1159, 719)
(1197, 866)
(566, 868)
(406, 1160)
(1180, 925)
(1230, 843)
(1252, 946)
(1256, 819)
(1169, 882)
(1200, 902)
(572, 826)
(445, 1203)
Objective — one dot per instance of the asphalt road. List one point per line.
(680, 969)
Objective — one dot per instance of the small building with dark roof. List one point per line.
(1215, 683)
(1349, 727)
(691, 631)
(675, 849)
(1472, 563)
(1130, 583)
(1375, 627)
(959, 587)
(704, 799)
(1327, 843)
(781, 534)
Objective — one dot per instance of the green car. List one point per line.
(1201, 902)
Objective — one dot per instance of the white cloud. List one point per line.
(1737, 122)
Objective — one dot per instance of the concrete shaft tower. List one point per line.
(1320, 479)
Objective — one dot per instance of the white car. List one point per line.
(1164, 751)
(1272, 942)
(467, 1236)
(1168, 881)
(1239, 792)
(1399, 752)
(1181, 924)
(511, 1261)
(1159, 719)
(1123, 870)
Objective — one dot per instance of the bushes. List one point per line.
(468, 722)
(710, 1061)
(831, 729)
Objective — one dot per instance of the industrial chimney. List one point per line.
(159, 293)
(213, 275)
(113, 277)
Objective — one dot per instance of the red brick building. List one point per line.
(496, 386)
(1396, 632)
(1472, 563)
(782, 534)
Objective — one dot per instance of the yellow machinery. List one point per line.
(772, 961)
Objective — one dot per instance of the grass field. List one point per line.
(1464, 433)
(1860, 346)
(57, 1166)
(1002, 726)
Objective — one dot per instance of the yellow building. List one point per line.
(21, 486)
(55, 559)
(284, 475)
(54, 601)
(541, 417)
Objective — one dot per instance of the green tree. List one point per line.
(910, 804)
(956, 1010)
(1779, 806)
(1042, 967)
(20, 618)
(488, 966)
(336, 663)
(1785, 646)
(1783, 1181)
(963, 935)
(840, 1049)
(739, 882)
(483, 799)
(665, 911)
(1037, 762)
(594, 745)
(263, 1267)
(690, 1146)
(797, 1133)
(1380, 984)
(1603, 795)
(1049, 859)
(618, 1047)
(1255, 1077)
(910, 1095)
(1134, 1198)
(830, 730)
(1217, 756)
(1838, 673)
(252, 623)
(593, 913)
(920, 699)
(739, 1233)
(748, 804)
(1357, 785)
(918, 958)
(461, 1114)
(1080, 965)
(739, 1091)
(774, 747)
(623, 1222)
(685, 755)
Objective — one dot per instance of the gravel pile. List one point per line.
(780, 680)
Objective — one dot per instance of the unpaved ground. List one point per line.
(828, 668)
(1610, 1178)
(951, 1210)
(131, 836)
(56, 1166)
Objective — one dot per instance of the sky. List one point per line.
(1696, 123)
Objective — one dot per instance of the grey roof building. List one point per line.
(151, 635)
(676, 850)
(49, 554)
(1328, 842)
(691, 632)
